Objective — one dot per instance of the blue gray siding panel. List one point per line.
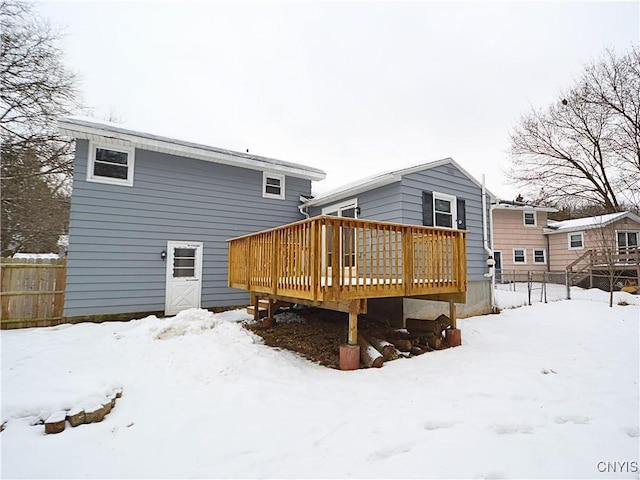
(383, 204)
(401, 202)
(117, 232)
(449, 180)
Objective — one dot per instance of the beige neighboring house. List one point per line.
(519, 243)
(525, 240)
(570, 240)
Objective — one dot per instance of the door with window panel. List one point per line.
(184, 276)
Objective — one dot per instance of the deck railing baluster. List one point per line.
(337, 258)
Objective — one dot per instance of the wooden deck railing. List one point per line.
(329, 258)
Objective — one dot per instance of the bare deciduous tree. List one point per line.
(613, 84)
(585, 147)
(36, 89)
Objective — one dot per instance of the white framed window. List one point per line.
(444, 210)
(348, 240)
(575, 240)
(529, 218)
(627, 239)
(520, 256)
(110, 164)
(627, 242)
(348, 208)
(540, 256)
(273, 185)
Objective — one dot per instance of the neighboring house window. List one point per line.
(576, 240)
(627, 243)
(519, 255)
(627, 240)
(530, 219)
(540, 256)
(273, 185)
(110, 164)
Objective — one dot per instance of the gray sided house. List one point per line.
(150, 217)
(440, 194)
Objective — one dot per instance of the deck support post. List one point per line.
(354, 310)
(270, 319)
(453, 334)
(350, 353)
(453, 314)
(255, 301)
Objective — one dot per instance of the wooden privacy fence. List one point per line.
(31, 292)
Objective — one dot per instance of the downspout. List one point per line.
(548, 254)
(303, 210)
(485, 241)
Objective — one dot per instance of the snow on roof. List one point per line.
(381, 179)
(508, 205)
(63, 241)
(32, 256)
(90, 129)
(588, 223)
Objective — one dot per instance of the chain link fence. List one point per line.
(538, 286)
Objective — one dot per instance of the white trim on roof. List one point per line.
(99, 132)
(588, 223)
(382, 179)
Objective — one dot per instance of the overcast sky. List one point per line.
(353, 88)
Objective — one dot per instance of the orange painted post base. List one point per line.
(453, 336)
(349, 357)
(268, 322)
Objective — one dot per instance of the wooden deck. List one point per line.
(339, 263)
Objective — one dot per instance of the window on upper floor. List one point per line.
(575, 240)
(519, 255)
(540, 256)
(529, 219)
(110, 164)
(273, 185)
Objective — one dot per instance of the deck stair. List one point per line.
(594, 268)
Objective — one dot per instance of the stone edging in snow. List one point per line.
(57, 421)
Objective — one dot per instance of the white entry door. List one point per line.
(184, 276)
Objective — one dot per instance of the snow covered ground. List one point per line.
(547, 391)
(511, 295)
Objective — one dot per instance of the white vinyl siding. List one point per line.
(110, 164)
